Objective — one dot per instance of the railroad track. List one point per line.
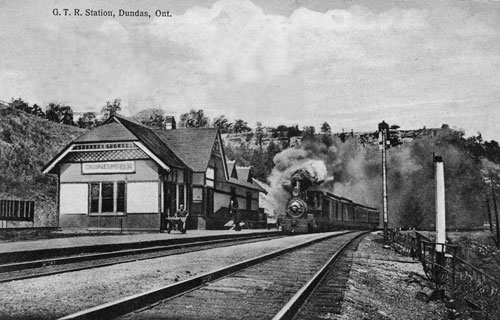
(325, 297)
(46, 267)
(272, 286)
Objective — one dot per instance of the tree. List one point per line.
(241, 126)
(88, 120)
(283, 131)
(280, 131)
(37, 111)
(242, 154)
(308, 132)
(257, 161)
(492, 151)
(259, 134)
(53, 112)
(294, 131)
(194, 119)
(271, 151)
(111, 108)
(21, 105)
(151, 117)
(325, 128)
(223, 124)
(67, 115)
(59, 113)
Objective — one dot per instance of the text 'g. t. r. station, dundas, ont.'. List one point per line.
(77, 12)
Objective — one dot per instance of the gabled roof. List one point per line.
(246, 184)
(117, 128)
(231, 169)
(193, 146)
(265, 187)
(244, 177)
(151, 141)
(108, 132)
(244, 174)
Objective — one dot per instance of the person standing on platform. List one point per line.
(182, 215)
(235, 212)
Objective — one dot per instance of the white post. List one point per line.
(384, 141)
(440, 205)
(384, 187)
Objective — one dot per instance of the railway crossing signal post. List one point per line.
(383, 132)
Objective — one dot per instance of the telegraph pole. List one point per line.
(383, 131)
(489, 213)
(496, 211)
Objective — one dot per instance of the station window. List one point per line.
(107, 197)
(210, 176)
(120, 197)
(249, 201)
(181, 195)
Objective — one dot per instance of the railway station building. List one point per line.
(129, 177)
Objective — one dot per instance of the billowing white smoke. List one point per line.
(358, 176)
(287, 163)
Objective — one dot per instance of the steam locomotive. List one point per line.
(314, 210)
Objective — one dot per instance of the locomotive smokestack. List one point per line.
(304, 178)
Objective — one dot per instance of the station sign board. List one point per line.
(108, 167)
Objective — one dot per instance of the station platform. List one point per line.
(81, 243)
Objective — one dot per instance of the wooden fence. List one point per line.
(17, 210)
(452, 273)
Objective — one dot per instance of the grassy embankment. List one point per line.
(27, 144)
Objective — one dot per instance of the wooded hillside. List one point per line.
(27, 143)
(353, 164)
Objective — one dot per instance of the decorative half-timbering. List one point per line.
(125, 176)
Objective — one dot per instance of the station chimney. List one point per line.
(170, 123)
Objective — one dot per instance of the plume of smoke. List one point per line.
(490, 169)
(357, 172)
(287, 163)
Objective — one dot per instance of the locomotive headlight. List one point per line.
(296, 208)
(295, 192)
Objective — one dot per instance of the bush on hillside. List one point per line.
(33, 142)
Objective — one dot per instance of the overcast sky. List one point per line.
(350, 63)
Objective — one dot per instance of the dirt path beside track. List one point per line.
(384, 285)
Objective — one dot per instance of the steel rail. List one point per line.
(6, 267)
(128, 304)
(53, 253)
(294, 304)
(107, 255)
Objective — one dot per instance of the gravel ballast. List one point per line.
(59, 295)
(384, 285)
(381, 283)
